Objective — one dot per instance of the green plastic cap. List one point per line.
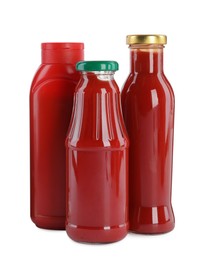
(97, 66)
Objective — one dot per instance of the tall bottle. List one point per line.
(148, 109)
(97, 158)
(51, 101)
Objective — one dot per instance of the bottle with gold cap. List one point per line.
(148, 109)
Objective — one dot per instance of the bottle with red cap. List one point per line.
(51, 101)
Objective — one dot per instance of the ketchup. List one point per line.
(51, 101)
(97, 158)
(148, 109)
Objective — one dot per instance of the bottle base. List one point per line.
(45, 222)
(152, 220)
(153, 229)
(97, 235)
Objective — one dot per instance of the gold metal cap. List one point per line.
(146, 39)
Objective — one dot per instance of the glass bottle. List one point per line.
(97, 158)
(148, 109)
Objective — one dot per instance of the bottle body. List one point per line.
(148, 109)
(97, 164)
(51, 101)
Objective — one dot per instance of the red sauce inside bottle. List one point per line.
(97, 164)
(148, 109)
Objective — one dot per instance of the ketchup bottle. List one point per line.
(97, 158)
(148, 109)
(51, 101)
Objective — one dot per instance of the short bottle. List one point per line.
(148, 109)
(97, 158)
(51, 101)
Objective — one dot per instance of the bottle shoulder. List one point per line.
(147, 94)
(143, 83)
(97, 120)
(53, 72)
(98, 145)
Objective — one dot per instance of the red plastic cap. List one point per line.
(62, 52)
(62, 45)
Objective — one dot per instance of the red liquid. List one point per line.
(97, 164)
(51, 101)
(148, 108)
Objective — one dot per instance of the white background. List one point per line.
(102, 26)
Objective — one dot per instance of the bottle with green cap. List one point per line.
(97, 158)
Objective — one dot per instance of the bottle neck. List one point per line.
(100, 75)
(146, 58)
(65, 53)
(64, 56)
